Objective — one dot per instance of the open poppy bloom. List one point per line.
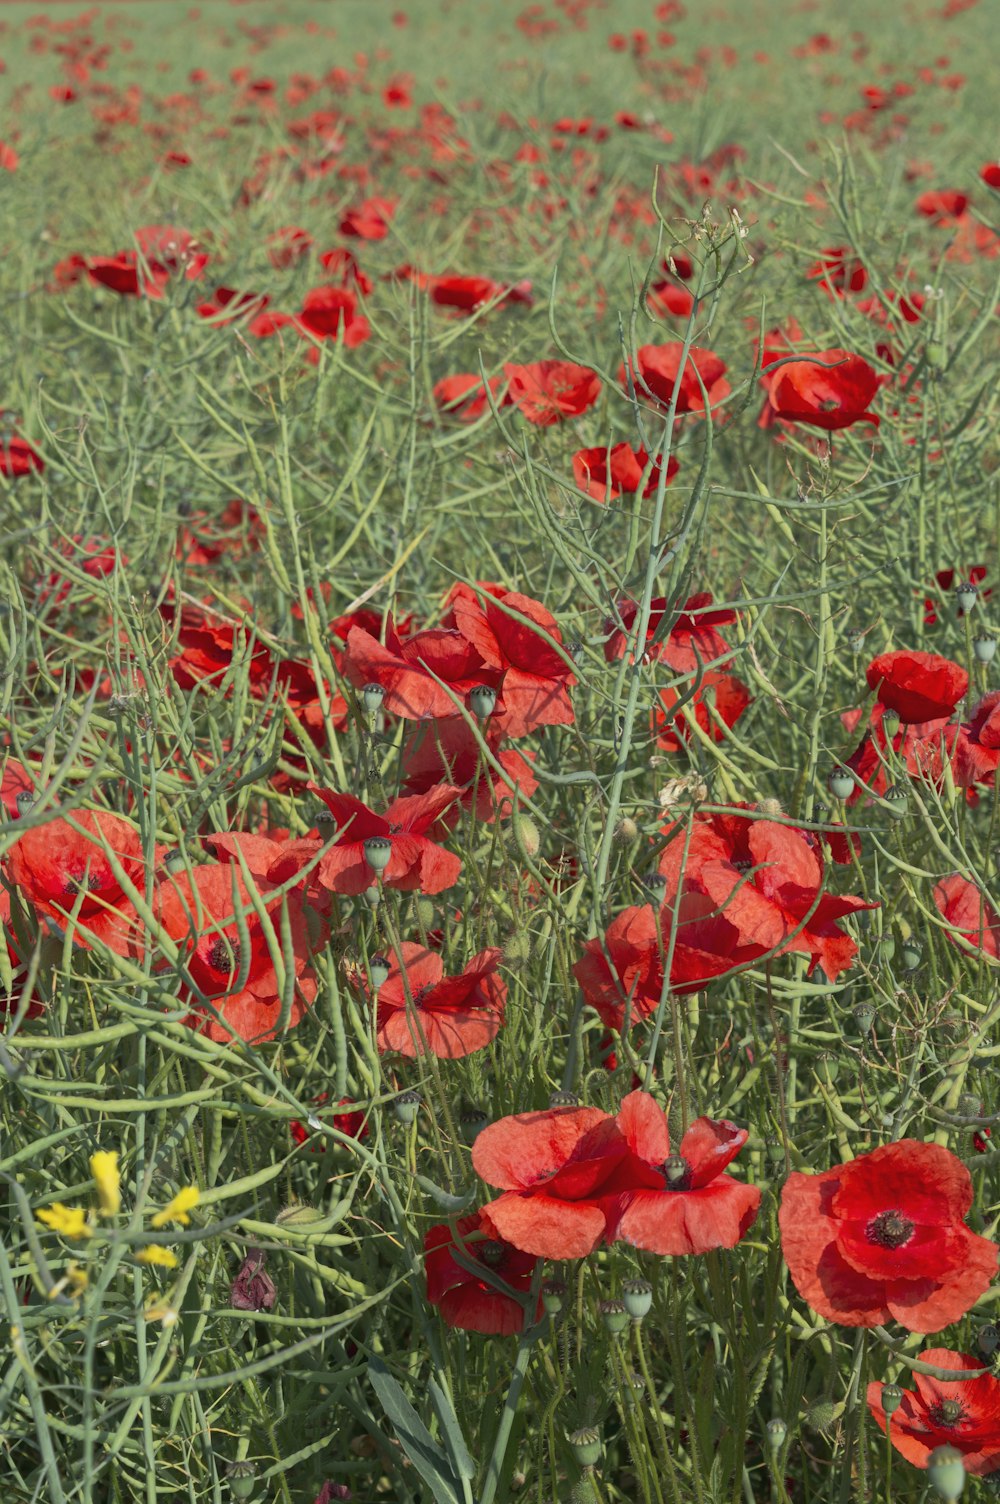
(534, 677)
(552, 1166)
(393, 847)
(678, 1203)
(692, 640)
(17, 784)
(407, 670)
(468, 1300)
(831, 391)
(326, 311)
(921, 745)
(605, 474)
(370, 220)
(421, 1011)
(884, 1237)
(446, 751)
(963, 1413)
(197, 910)
(227, 304)
(838, 271)
(122, 273)
(917, 686)
(976, 744)
(464, 398)
(969, 914)
(17, 456)
(658, 375)
(728, 695)
(60, 869)
(549, 391)
(466, 294)
(946, 580)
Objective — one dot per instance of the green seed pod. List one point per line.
(372, 896)
(471, 1124)
(586, 1445)
(563, 1099)
(936, 355)
(614, 1315)
(776, 1434)
(553, 1296)
(890, 723)
(821, 1416)
(988, 1340)
(910, 956)
(897, 801)
(966, 596)
(25, 802)
(841, 783)
(378, 970)
(378, 852)
(656, 883)
(638, 1297)
(371, 697)
(526, 837)
(517, 949)
(174, 860)
(946, 1470)
(298, 1214)
(892, 1398)
(886, 947)
(864, 1017)
(406, 1106)
(241, 1477)
(984, 648)
(482, 701)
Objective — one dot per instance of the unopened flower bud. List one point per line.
(626, 831)
(638, 1297)
(586, 1445)
(406, 1106)
(892, 1398)
(946, 1470)
(425, 913)
(378, 852)
(525, 833)
(614, 1315)
(371, 697)
(517, 949)
(241, 1477)
(482, 701)
(776, 1433)
(841, 783)
(984, 648)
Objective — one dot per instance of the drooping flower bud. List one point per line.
(253, 1289)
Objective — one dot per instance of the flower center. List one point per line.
(225, 956)
(828, 405)
(82, 883)
(676, 1172)
(947, 1413)
(493, 1253)
(889, 1230)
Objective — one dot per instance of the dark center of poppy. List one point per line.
(394, 828)
(225, 956)
(889, 1230)
(421, 994)
(676, 1172)
(947, 1413)
(742, 864)
(88, 882)
(492, 1252)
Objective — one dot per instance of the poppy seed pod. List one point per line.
(241, 1477)
(563, 1099)
(988, 1340)
(776, 1433)
(984, 648)
(614, 1315)
(26, 802)
(896, 801)
(378, 970)
(586, 1445)
(406, 1106)
(371, 697)
(372, 896)
(936, 355)
(482, 701)
(892, 1398)
(378, 852)
(946, 1470)
(966, 595)
(471, 1124)
(864, 1017)
(638, 1297)
(910, 956)
(841, 783)
(553, 1296)
(656, 882)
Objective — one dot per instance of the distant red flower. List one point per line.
(680, 1203)
(692, 641)
(352, 1122)
(466, 294)
(963, 1413)
(326, 311)
(976, 744)
(404, 669)
(235, 531)
(18, 782)
(467, 1300)
(17, 456)
(227, 304)
(838, 271)
(415, 861)
(968, 912)
(728, 696)
(173, 249)
(946, 579)
(943, 206)
(122, 274)
(658, 375)
(197, 910)
(208, 646)
(765, 878)
(53, 864)
(463, 397)
(922, 746)
(535, 679)
(8, 158)
(990, 175)
(884, 1237)
(549, 391)
(12, 1001)
(421, 1011)
(289, 244)
(343, 266)
(918, 686)
(370, 220)
(605, 474)
(551, 1166)
(832, 390)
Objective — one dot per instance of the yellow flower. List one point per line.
(104, 1168)
(154, 1254)
(177, 1210)
(70, 1221)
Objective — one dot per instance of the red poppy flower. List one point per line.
(969, 914)
(680, 1203)
(370, 220)
(208, 647)
(173, 249)
(466, 294)
(122, 274)
(946, 580)
(942, 206)
(605, 473)
(289, 244)
(729, 697)
(777, 343)
(551, 1166)
(343, 265)
(404, 669)
(422, 1011)
(53, 864)
(923, 746)
(205, 538)
(668, 299)
(831, 391)
(17, 456)
(535, 679)
(467, 1300)
(990, 175)
(884, 1236)
(917, 686)
(415, 862)
(447, 752)
(13, 1001)
(227, 304)
(838, 271)
(464, 397)
(975, 745)
(548, 391)
(621, 977)
(17, 783)
(353, 1122)
(692, 641)
(659, 375)
(963, 1413)
(197, 909)
(328, 310)
(765, 878)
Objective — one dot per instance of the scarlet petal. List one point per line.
(684, 1222)
(925, 1182)
(551, 1229)
(517, 1151)
(929, 1305)
(643, 1125)
(709, 1145)
(821, 1275)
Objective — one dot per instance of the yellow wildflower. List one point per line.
(70, 1221)
(104, 1168)
(178, 1208)
(155, 1254)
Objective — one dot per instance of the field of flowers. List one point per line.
(499, 728)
